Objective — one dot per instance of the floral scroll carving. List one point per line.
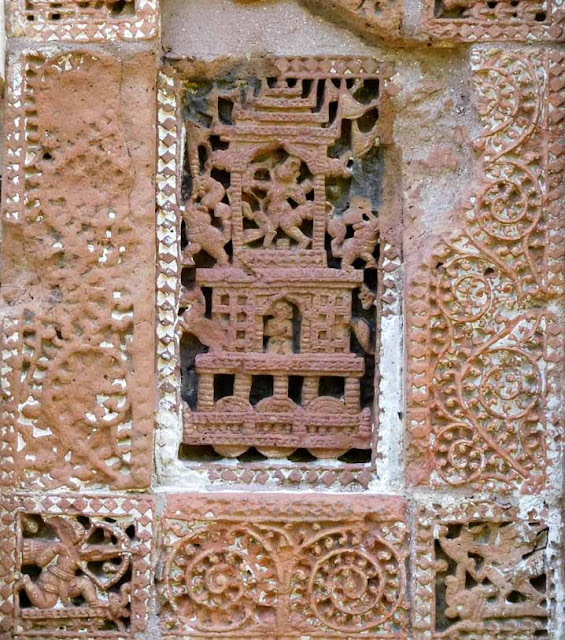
(483, 339)
(69, 335)
(301, 572)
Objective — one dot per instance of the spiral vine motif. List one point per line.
(464, 292)
(350, 586)
(459, 456)
(510, 206)
(221, 579)
(505, 382)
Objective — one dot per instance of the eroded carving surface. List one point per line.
(375, 18)
(69, 237)
(482, 337)
(266, 566)
(95, 20)
(76, 565)
(481, 571)
(477, 20)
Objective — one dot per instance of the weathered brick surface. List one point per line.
(291, 273)
(77, 269)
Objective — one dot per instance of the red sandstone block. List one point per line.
(78, 265)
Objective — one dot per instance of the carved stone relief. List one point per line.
(279, 251)
(75, 564)
(479, 20)
(260, 567)
(72, 411)
(483, 337)
(90, 20)
(481, 571)
(294, 302)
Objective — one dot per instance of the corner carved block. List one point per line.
(280, 253)
(75, 566)
(483, 331)
(262, 567)
(480, 571)
(88, 21)
(484, 20)
(78, 191)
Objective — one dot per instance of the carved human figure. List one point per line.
(194, 321)
(60, 561)
(198, 216)
(360, 217)
(283, 188)
(279, 329)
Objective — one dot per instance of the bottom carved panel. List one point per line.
(284, 567)
(75, 566)
(481, 573)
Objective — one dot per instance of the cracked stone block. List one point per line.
(482, 570)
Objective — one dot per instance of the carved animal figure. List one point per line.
(508, 561)
(365, 227)
(194, 320)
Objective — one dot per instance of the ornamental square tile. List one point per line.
(75, 566)
(483, 571)
(77, 269)
(259, 567)
(275, 238)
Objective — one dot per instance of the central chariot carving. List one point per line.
(280, 256)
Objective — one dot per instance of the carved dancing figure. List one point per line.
(201, 234)
(194, 321)
(60, 560)
(365, 238)
(279, 329)
(283, 188)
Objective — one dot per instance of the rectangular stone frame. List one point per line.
(535, 262)
(102, 284)
(430, 517)
(388, 394)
